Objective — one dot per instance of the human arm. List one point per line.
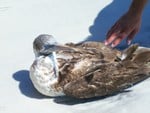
(128, 25)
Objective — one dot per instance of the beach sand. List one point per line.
(68, 21)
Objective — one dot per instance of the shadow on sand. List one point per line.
(73, 101)
(25, 85)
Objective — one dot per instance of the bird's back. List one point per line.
(83, 58)
(112, 77)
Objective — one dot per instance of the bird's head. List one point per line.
(46, 44)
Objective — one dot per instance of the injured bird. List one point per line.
(87, 69)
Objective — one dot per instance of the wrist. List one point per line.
(137, 7)
(135, 13)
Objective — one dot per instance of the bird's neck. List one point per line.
(55, 64)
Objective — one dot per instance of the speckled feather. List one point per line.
(111, 77)
(90, 69)
(84, 58)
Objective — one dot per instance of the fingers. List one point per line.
(114, 35)
(131, 36)
(110, 39)
(114, 29)
(115, 39)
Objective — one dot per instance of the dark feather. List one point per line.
(111, 76)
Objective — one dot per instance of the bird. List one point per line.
(87, 69)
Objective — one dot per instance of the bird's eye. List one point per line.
(49, 46)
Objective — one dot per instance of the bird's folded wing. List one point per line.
(106, 80)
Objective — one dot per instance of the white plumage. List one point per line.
(44, 76)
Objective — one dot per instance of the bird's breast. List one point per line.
(43, 76)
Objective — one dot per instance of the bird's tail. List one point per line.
(142, 57)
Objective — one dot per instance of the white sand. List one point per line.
(69, 21)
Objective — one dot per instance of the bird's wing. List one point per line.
(142, 57)
(127, 54)
(81, 87)
(106, 80)
(98, 48)
(88, 45)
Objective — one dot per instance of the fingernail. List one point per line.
(112, 45)
(129, 42)
(106, 43)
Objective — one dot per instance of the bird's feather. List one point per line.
(88, 69)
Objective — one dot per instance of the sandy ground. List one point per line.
(69, 21)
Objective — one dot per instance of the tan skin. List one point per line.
(127, 26)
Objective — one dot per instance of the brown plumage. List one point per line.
(112, 77)
(85, 58)
(87, 69)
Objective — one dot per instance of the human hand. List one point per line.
(126, 27)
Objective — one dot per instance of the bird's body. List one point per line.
(86, 70)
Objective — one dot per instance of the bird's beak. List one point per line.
(56, 47)
(63, 48)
